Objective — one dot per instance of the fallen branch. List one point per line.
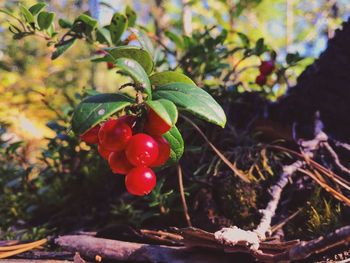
(90, 247)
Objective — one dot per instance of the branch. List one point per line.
(90, 247)
(183, 198)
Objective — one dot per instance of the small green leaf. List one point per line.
(28, 16)
(88, 20)
(97, 108)
(117, 27)
(244, 39)
(45, 19)
(176, 145)
(166, 77)
(164, 109)
(35, 9)
(260, 47)
(60, 49)
(136, 53)
(131, 15)
(103, 36)
(143, 39)
(64, 23)
(188, 97)
(132, 68)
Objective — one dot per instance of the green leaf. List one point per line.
(175, 38)
(45, 19)
(103, 36)
(117, 27)
(143, 39)
(136, 53)
(244, 39)
(95, 109)
(166, 77)
(131, 15)
(35, 9)
(176, 145)
(132, 68)
(188, 97)
(64, 23)
(28, 16)
(165, 109)
(88, 20)
(260, 47)
(60, 49)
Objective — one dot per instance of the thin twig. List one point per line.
(183, 198)
(328, 188)
(336, 158)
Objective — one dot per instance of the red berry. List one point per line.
(142, 150)
(114, 135)
(91, 136)
(140, 181)
(128, 119)
(110, 65)
(260, 80)
(164, 151)
(267, 67)
(103, 152)
(118, 163)
(155, 125)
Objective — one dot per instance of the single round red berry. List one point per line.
(118, 163)
(91, 136)
(155, 125)
(110, 65)
(103, 152)
(114, 135)
(140, 181)
(163, 153)
(142, 150)
(267, 67)
(260, 80)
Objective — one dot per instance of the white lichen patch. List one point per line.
(231, 236)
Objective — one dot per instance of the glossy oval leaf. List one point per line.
(28, 16)
(143, 39)
(103, 35)
(190, 98)
(35, 9)
(165, 109)
(88, 20)
(142, 56)
(63, 47)
(97, 108)
(45, 19)
(131, 15)
(117, 26)
(166, 77)
(176, 145)
(132, 68)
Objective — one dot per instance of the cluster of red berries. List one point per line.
(265, 68)
(131, 153)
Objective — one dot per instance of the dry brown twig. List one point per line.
(221, 156)
(182, 193)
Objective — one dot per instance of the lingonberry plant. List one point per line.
(133, 131)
